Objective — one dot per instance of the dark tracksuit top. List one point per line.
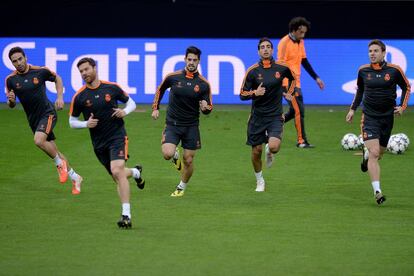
(30, 88)
(271, 73)
(377, 86)
(186, 91)
(101, 101)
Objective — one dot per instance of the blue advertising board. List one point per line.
(138, 65)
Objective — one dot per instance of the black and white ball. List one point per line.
(396, 144)
(349, 141)
(404, 138)
(360, 142)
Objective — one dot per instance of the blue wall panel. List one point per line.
(139, 65)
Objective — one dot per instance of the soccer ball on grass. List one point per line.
(349, 141)
(396, 144)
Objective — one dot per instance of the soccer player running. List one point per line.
(28, 83)
(189, 93)
(377, 83)
(291, 50)
(98, 102)
(263, 85)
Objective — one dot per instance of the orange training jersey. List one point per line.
(291, 53)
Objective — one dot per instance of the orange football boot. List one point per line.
(76, 186)
(63, 172)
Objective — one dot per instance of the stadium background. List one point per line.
(336, 43)
(205, 18)
(317, 216)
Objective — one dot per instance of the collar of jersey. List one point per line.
(378, 66)
(293, 38)
(266, 63)
(93, 88)
(190, 75)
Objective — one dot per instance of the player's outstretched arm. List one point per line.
(350, 116)
(74, 122)
(59, 103)
(120, 113)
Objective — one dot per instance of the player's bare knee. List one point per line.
(39, 141)
(167, 155)
(188, 161)
(117, 172)
(256, 156)
(374, 154)
(274, 150)
(257, 150)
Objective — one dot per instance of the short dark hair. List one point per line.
(89, 60)
(16, 50)
(296, 22)
(379, 43)
(193, 50)
(263, 39)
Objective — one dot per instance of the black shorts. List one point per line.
(115, 150)
(377, 128)
(259, 129)
(45, 124)
(188, 135)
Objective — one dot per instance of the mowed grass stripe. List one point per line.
(317, 216)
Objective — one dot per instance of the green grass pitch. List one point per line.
(317, 217)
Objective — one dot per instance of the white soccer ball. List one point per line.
(396, 145)
(360, 142)
(404, 138)
(392, 137)
(349, 141)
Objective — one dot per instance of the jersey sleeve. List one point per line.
(9, 86)
(121, 95)
(308, 67)
(247, 89)
(165, 84)
(291, 80)
(48, 75)
(206, 95)
(405, 86)
(75, 106)
(359, 93)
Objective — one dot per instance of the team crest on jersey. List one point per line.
(259, 77)
(387, 77)
(196, 88)
(35, 80)
(277, 75)
(121, 153)
(88, 103)
(18, 85)
(179, 85)
(107, 98)
(369, 76)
